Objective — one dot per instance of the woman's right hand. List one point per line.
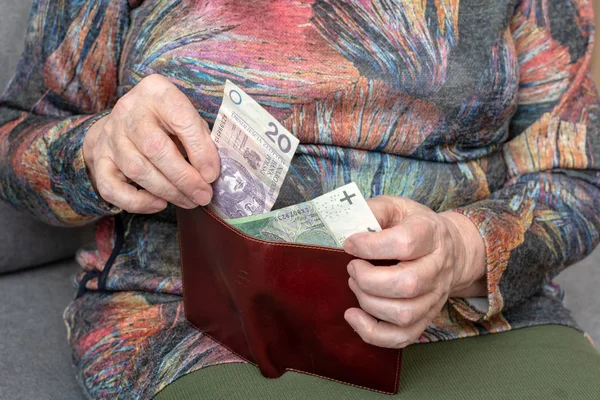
(145, 140)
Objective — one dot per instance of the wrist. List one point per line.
(471, 261)
(89, 143)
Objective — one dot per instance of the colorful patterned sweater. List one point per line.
(482, 106)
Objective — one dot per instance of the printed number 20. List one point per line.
(282, 141)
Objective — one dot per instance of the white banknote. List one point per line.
(256, 151)
(327, 220)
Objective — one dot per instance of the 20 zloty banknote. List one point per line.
(255, 150)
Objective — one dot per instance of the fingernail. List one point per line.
(201, 197)
(348, 246)
(209, 174)
(350, 318)
(351, 269)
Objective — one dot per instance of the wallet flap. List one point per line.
(279, 305)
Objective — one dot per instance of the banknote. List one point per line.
(256, 151)
(325, 221)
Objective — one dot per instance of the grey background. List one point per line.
(35, 358)
(13, 26)
(31, 302)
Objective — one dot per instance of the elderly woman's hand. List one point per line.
(145, 140)
(440, 255)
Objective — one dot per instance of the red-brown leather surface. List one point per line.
(278, 305)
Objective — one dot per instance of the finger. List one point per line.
(381, 333)
(162, 152)
(178, 116)
(137, 168)
(411, 239)
(408, 279)
(113, 188)
(401, 312)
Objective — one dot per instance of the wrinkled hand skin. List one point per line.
(439, 256)
(135, 156)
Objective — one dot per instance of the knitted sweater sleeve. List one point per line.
(66, 80)
(547, 216)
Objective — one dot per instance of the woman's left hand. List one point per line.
(440, 255)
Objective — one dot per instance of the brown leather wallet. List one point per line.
(280, 306)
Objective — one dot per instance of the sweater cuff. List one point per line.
(70, 176)
(495, 227)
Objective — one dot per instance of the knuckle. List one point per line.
(368, 336)
(110, 125)
(105, 189)
(358, 273)
(124, 106)
(133, 205)
(154, 83)
(409, 285)
(129, 209)
(155, 147)
(362, 280)
(372, 332)
(187, 126)
(362, 303)
(406, 243)
(404, 316)
(184, 180)
(170, 194)
(170, 96)
(184, 123)
(135, 167)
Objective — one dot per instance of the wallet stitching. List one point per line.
(222, 222)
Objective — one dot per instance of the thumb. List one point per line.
(392, 210)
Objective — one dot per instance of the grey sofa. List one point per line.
(36, 270)
(35, 360)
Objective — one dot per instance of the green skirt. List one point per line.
(543, 362)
